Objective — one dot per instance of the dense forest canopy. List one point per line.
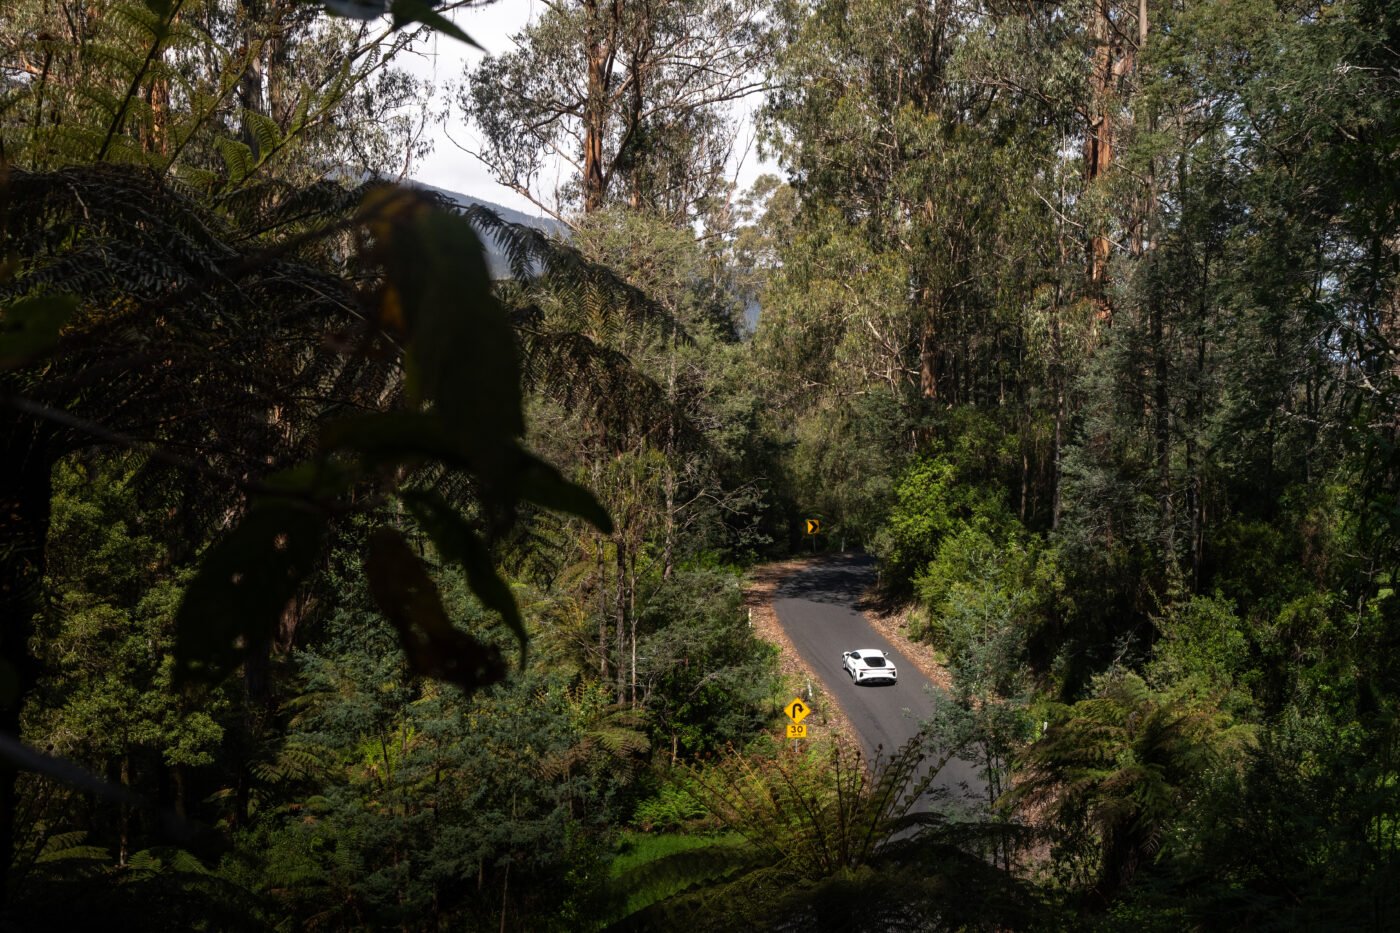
(343, 587)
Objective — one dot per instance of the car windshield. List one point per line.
(874, 660)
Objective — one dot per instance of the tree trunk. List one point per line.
(928, 360)
(250, 84)
(602, 611)
(1098, 146)
(26, 489)
(598, 52)
(621, 612)
(1057, 367)
(156, 139)
(124, 833)
(1161, 434)
(669, 477)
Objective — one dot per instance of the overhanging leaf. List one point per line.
(406, 594)
(544, 485)
(461, 354)
(458, 542)
(420, 11)
(356, 9)
(321, 479)
(244, 582)
(393, 436)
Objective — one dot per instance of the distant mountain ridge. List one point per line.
(496, 260)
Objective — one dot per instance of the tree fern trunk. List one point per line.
(25, 493)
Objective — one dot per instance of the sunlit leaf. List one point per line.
(405, 593)
(238, 158)
(264, 130)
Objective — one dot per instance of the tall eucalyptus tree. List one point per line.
(633, 96)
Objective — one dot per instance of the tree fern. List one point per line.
(831, 845)
(1120, 765)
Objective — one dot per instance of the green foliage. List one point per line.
(247, 578)
(830, 843)
(420, 790)
(1205, 644)
(649, 865)
(932, 504)
(843, 465)
(707, 679)
(1118, 769)
(617, 93)
(229, 97)
(109, 643)
(1083, 315)
(673, 807)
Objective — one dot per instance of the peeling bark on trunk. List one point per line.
(599, 52)
(602, 614)
(1111, 63)
(928, 361)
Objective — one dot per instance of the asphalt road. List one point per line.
(816, 608)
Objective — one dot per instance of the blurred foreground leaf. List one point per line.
(407, 596)
(244, 582)
(29, 327)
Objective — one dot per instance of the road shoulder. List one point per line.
(760, 589)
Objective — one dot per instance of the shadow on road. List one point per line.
(840, 580)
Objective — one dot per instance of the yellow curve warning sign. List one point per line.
(813, 526)
(797, 710)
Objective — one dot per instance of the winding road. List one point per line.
(816, 606)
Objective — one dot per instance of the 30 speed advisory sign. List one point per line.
(797, 711)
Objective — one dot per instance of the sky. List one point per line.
(441, 60)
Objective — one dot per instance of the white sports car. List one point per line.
(868, 666)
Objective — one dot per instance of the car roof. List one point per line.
(864, 651)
